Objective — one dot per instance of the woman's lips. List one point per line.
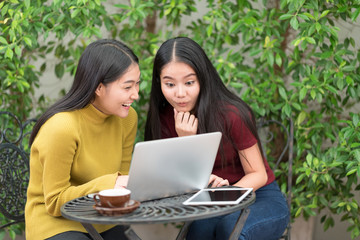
(126, 105)
(182, 104)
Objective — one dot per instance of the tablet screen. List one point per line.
(218, 196)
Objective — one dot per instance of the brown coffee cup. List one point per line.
(112, 198)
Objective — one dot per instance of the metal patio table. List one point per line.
(164, 210)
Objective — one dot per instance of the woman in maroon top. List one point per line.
(189, 97)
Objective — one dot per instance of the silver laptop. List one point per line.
(172, 166)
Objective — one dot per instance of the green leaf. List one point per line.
(278, 60)
(356, 154)
(75, 12)
(270, 58)
(314, 177)
(303, 16)
(309, 15)
(348, 68)
(355, 120)
(324, 13)
(4, 10)
(349, 80)
(331, 89)
(349, 132)
(17, 50)
(352, 171)
(355, 14)
(28, 41)
(285, 16)
(123, 6)
(27, 3)
(294, 23)
(234, 27)
(319, 97)
(298, 180)
(340, 83)
(59, 70)
(355, 145)
(310, 40)
(301, 118)
(282, 93)
(296, 106)
(297, 42)
(254, 52)
(298, 212)
(12, 233)
(209, 30)
(168, 11)
(302, 94)
(311, 29)
(313, 93)
(236, 85)
(326, 55)
(3, 40)
(9, 53)
(287, 110)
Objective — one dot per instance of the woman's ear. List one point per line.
(99, 89)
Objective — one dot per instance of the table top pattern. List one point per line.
(156, 211)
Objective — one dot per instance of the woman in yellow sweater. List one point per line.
(83, 143)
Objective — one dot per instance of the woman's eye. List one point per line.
(190, 82)
(169, 84)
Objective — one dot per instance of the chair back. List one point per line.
(14, 166)
(277, 142)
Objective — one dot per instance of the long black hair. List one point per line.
(103, 61)
(215, 100)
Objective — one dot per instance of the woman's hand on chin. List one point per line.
(185, 123)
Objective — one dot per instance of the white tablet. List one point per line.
(218, 196)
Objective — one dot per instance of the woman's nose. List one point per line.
(135, 94)
(180, 92)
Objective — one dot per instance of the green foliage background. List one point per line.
(284, 57)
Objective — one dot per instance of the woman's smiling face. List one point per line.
(115, 98)
(180, 86)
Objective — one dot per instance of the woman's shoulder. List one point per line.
(237, 114)
(70, 117)
(60, 124)
(230, 110)
(62, 121)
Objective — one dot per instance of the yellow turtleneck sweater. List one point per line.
(75, 153)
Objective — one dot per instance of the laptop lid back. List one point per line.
(172, 166)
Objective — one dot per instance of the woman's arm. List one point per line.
(253, 165)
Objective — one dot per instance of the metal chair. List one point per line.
(277, 140)
(14, 166)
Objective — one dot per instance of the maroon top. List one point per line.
(232, 170)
